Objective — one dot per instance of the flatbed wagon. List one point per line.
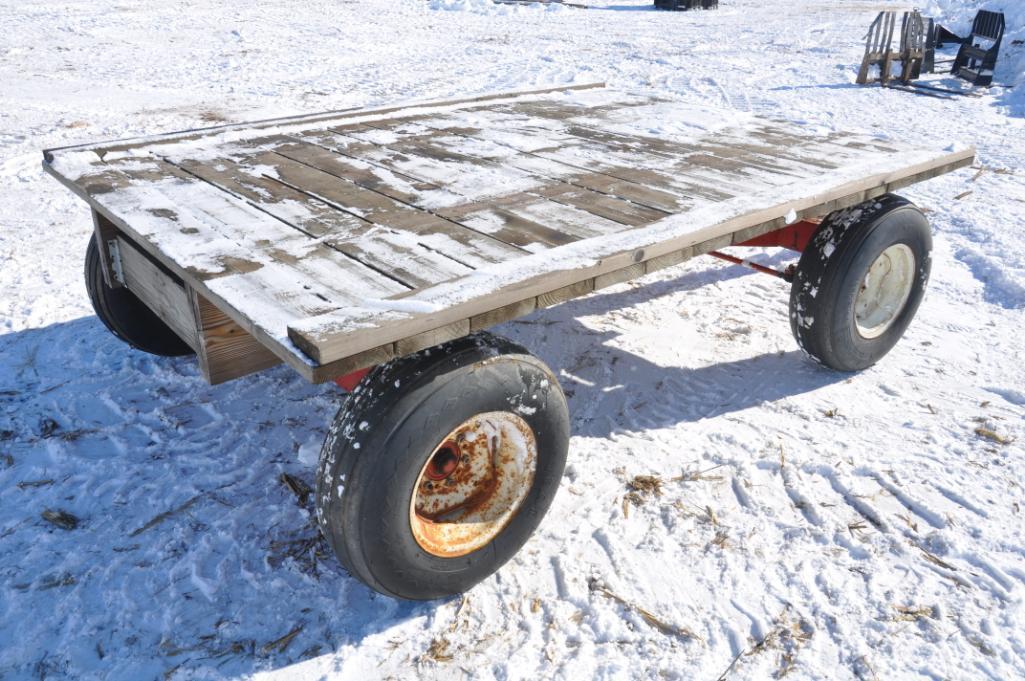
(373, 247)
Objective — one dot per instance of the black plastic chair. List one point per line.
(974, 61)
(679, 5)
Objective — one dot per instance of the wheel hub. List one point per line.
(884, 291)
(473, 484)
(444, 462)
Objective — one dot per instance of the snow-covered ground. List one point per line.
(809, 524)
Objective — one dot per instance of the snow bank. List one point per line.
(957, 15)
(492, 7)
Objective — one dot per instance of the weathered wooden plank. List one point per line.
(434, 158)
(347, 365)
(412, 263)
(431, 251)
(740, 236)
(181, 213)
(241, 264)
(783, 156)
(386, 200)
(603, 205)
(406, 190)
(158, 291)
(564, 293)
(630, 163)
(661, 262)
(326, 337)
(242, 173)
(431, 338)
(619, 276)
(431, 162)
(570, 212)
(237, 237)
(308, 121)
(730, 163)
(225, 350)
(460, 137)
(538, 205)
(611, 185)
(710, 168)
(106, 233)
(491, 217)
(503, 314)
(587, 179)
(409, 262)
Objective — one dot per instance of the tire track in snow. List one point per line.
(800, 501)
(991, 570)
(960, 500)
(910, 503)
(860, 507)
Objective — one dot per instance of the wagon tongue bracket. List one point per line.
(786, 275)
(794, 237)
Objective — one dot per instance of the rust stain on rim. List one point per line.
(473, 484)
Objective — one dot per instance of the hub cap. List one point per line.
(884, 291)
(473, 484)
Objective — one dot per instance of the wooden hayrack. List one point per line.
(338, 241)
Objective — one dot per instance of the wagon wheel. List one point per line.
(860, 281)
(125, 315)
(441, 465)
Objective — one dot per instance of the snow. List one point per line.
(828, 526)
(957, 15)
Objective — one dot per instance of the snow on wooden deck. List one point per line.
(347, 233)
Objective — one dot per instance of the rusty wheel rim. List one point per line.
(473, 484)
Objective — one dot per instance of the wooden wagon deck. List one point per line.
(340, 240)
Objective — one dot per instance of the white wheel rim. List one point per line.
(885, 290)
(473, 484)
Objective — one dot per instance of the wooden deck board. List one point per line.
(228, 250)
(404, 208)
(571, 154)
(429, 157)
(344, 239)
(684, 174)
(410, 245)
(477, 187)
(697, 169)
(532, 164)
(407, 262)
(324, 337)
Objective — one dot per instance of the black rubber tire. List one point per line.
(384, 434)
(125, 315)
(831, 271)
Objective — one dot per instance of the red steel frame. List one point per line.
(794, 237)
(348, 382)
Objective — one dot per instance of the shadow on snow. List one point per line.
(190, 553)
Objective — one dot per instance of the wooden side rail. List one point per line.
(225, 350)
